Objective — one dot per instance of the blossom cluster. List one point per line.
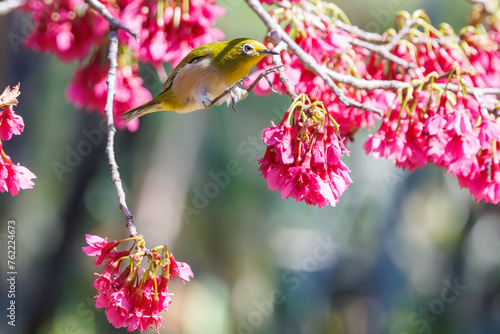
(424, 122)
(133, 296)
(302, 158)
(13, 177)
(450, 129)
(168, 30)
(332, 47)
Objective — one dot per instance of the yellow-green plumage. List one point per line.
(203, 75)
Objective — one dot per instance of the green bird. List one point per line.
(203, 75)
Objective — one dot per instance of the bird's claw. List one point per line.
(269, 82)
(270, 70)
(234, 106)
(234, 89)
(240, 82)
(237, 94)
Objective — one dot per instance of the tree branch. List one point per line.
(364, 84)
(394, 85)
(362, 34)
(281, 46)
(365, 39)
(400, 34)
(307, 60)
(108, 110)
(488, 5)
(384, 52)
(329, 75)
(113, 23)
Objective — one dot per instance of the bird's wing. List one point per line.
(203, 52)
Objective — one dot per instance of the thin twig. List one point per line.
(263, 75)
(110, 147)
(384, 52)
(400, 35)
(394, 85)
(360, 83)
(362, 34)
(112, 22)
(364, 39)
(108, 110)
(328, 74)
(352, 29)
(280, 47)
(7, 6)
(307, 60)
(231, 89)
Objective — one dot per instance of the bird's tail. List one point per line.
(146, 108)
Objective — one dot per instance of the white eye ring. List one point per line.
(247, 49)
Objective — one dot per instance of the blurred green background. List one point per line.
(401, 253)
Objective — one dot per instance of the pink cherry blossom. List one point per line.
(10, 123)
(98, 247)
(180, 269)
(192, 30)
(89, 90)
(332, 48)
(9, 96)
(67, 28)
(302, 159)
(488, 131)
(168, 31)
(484, 184)
(401, 136)
(134, 296)
(13, 177)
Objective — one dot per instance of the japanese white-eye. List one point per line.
(204, 74)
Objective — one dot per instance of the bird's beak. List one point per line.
(269, 52)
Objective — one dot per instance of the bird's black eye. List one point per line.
(247, 49)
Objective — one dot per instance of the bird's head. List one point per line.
(250, 49)
(239, 55)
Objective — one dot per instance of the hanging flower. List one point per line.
(10, 123)
(89, 88)
(134, 296)
(331, 47)
(169, 30)
(66, 28)
(13, 177)
(303, 154)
